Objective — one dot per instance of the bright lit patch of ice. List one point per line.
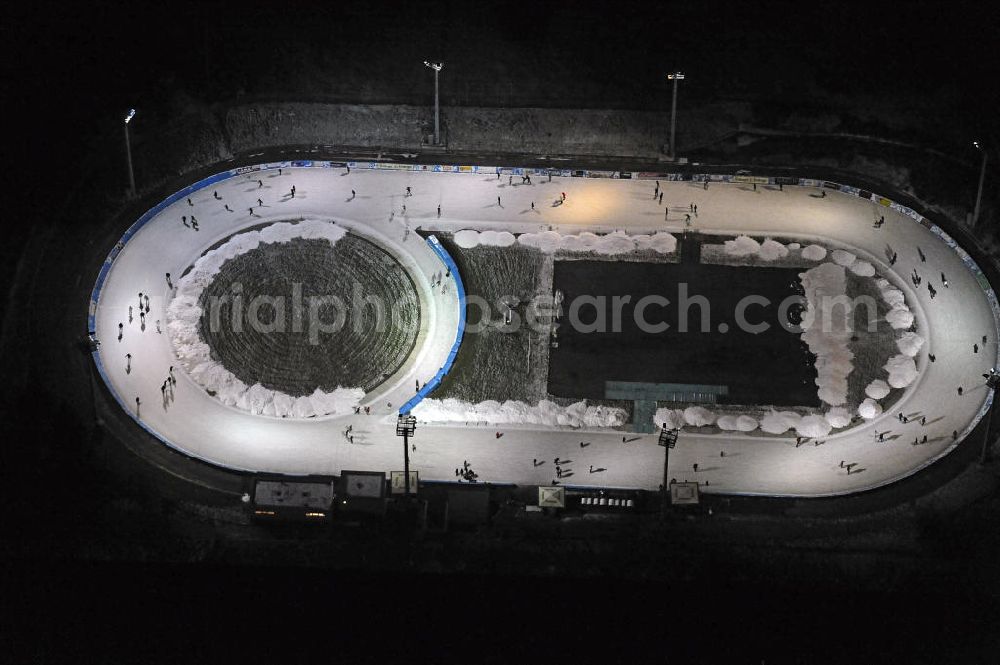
(772, 250)
(842, 258)
(909, 343)
(814, 253)
(742, 246)
(838, 416)
(869, 409)
(877, 389)
(515, 412)
(813, 426)
(184, 328)
(863, 269)
(902, 371)
(827, 330)
(698, 416)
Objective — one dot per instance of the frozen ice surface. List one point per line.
(513, 412)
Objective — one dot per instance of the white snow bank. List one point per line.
(902, 371)
(863, 269)
(813, 426)
(877, 389)
(670, 418)
(899, 319)
(184, 329)
(746, 424)
(469, 239)
(771, 250)
(842, 258)
(611, 243)
(894, 297)
(909, 343)
(514, 412)
(869, 409)
(827, 330)
(698, 416)
(779, 422)
(742, 246)
(838, 416)
(814, 253)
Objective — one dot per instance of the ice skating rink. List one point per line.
(202, 426)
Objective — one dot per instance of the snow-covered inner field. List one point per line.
(834, 232)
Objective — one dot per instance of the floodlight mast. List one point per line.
(128, 154)
(668, 439)
(436, 66)
(675, 77)
(406, 425)
(982, 177)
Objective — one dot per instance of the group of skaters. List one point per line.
(167, 388)
(349, 433)
(143, 311)
(367, 410)
(466, 473)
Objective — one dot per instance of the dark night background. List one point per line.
(71, 71)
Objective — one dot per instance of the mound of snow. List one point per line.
(467, 239)
(863, 269)
(838, 416)
(698, 416)
(742, 246)
(794, 245)
(909, 343)
(902, 371)
(869, 409)
(827, 330)
(662, 242)
(813, 427)
(746, 424)
(670, 418)
(842, 258)
(496, 238)
(617, 242)
(877, 389)
(894, 297)
(771, 250)
(545, 412)
(726, 422)
(779, 422)
(899, 319)
(814, 253)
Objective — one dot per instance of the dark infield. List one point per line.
(772, 367)
(356, 355)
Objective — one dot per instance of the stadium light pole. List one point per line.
(406, 425)
(436, 66)
(982, 177)
(128, 154)
(668, 439)
(675, 77)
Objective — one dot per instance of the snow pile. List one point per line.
(877, 389)
(869, 409)
(670, 418)
(469, 239)
(813, 426)
(698, 416)
(779, 422)
(842, 258)
(611, 243)
(794, 245)
(514, 412)
(894, 297)
(862, 269)
(771, 250)
(838, 416)
(828, 330)
(900, 319)
(814, 253)
(909, 343)
(742, 246)
(184, 328)
(902, 371)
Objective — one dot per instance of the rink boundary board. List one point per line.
(876, 199)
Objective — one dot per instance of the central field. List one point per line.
(768, 367)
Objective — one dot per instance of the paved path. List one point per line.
(198, 424)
